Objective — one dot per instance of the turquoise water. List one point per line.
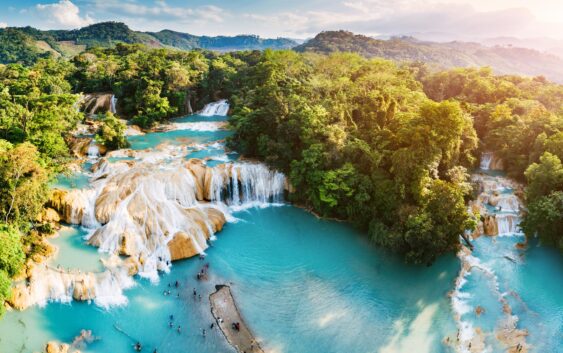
(74, 253)
(304, 285)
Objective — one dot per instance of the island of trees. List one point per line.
(385, 146)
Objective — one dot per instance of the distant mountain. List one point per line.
(503, 59)
(27, 44)
(221, 43)
(548, 45)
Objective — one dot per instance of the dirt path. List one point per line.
(225, 312)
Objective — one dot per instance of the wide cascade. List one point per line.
(155, 207)
(219, 108)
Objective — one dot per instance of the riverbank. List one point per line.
(229, 320)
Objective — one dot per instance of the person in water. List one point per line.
(179, 329)
(138, 347)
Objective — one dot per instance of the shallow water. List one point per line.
(304, 285)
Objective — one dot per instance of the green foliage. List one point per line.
(545, 218)
(11, 260)
(5, 290)
(11, 252)
(544, 177)
(36, 105)
(111, 133)
(360, 141)
(23, 183)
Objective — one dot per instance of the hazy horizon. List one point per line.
(431, 20)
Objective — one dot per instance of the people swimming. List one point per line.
(179, 329)
(203, 333)
(138, 347)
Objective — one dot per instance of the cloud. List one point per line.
(3, 25)
(64, 14)
(422, 19)
(161, 11)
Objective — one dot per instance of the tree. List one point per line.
(111, 133)
(23, 183)
(545, 219)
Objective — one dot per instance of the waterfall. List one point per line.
(508, 224)
(220, 108)
(93, 150)
(113, 104)
(486, 158)
(509, 203)
(247, 185)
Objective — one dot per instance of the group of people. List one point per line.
(202, 274)
(171, 324)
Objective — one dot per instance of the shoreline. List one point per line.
(226, 313)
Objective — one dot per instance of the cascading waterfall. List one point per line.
(495, 202)
(486, 158)
(247, 185)
(93, 150)
(113, 104)
(508, 224)
(219, 108)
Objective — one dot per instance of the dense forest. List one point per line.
(503, 60)
(385, 146)
(26, 44)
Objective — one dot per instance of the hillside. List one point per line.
(27, 44)
(503, 60)
(221, 43)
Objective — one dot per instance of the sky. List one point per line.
(426, 19)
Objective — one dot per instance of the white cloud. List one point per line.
(64, 14)
(3, 25)
(161, 11)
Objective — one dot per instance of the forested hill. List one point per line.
(27, 44)
(503, 60)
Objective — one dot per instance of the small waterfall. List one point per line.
(509, 203)
(113, 104)
(93, 150)
(486, 158)
(247, 185)
(219, 108)
(508, 224)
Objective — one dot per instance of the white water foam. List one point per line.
(219, 108)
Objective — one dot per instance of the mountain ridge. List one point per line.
(502, 59)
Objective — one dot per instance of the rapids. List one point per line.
(304, 285)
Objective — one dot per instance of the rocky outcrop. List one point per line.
(84, 287)
(20, 298)
(490, 226)
(133, 130)
(95, 103)
(78, 146)
(48, 215)
(56, 347)
(184, 245)
(69, 205)
(496, 163)
(198, 170)
(494, 199)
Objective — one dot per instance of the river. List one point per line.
(304, 285)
